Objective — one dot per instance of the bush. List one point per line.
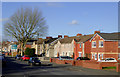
(30, 52)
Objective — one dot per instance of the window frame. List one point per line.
(100, 44)
(93, 44)
(80, 45)
(95, 56)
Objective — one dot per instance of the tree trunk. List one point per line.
(21, 49)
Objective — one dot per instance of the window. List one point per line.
(80, 54)
(102, 56)
(63, 53)
(118, 55)
(93, 44)
(92, 55)
(100, 43)
(80, 45)
(119, 43)
(95, 56)
(56, 53)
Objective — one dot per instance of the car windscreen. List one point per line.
(110, 59)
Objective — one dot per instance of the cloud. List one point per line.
(4, 19)
(53, 4)
(74, 22)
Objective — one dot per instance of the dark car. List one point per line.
(18, 57)
(3, 55)
(34, 61)
(65, 58)
(2, 59)
(82, 58)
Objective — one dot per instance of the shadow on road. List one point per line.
(15, 66)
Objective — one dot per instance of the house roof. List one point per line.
(50, 40)
(40, 41)
(82, 38)
(110, 36)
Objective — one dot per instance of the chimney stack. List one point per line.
(59, 36)
(79, 34)
(48, 37)
(39, 38)
(65, 36)
(96, 32)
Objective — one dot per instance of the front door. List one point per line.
(98, 56)
(79, 54)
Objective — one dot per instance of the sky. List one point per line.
(70, 18)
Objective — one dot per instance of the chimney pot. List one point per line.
(59, 36)
(65, 36)
(96, 32)
(79, 34)
(48, 37)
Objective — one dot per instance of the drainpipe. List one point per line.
(83, 50)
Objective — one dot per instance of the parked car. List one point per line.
(108, 60)
(18, 57)
(65, 58)
(3, 55)
(2, 59)
(25, 57)
(34, 61)
(82, 58)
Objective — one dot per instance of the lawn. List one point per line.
(108, 67)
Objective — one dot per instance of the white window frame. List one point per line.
(100, 44)
(102, 55)
(63, 53)
(80, 53)
(93, 44)
(95, 56)
(80, 45)
(92, 55)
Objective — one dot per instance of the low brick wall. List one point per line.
(118, 66)
(60, 61)
(53, 60)
(77, 63)
(91, 64)
(87, 63)
(68, 61)
(108, 64)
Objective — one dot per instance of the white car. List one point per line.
(108, 60)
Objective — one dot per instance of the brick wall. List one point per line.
(60, 61)
(93, 64)
(53, 60)
(68, 61)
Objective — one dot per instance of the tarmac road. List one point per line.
(17, 67)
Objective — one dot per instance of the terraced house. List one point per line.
(65, 46)
(44, 46)
(82, 46)
(105, 45)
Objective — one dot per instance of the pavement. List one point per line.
(17, 67)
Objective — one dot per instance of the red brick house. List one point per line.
(105, 45)
(82, 46)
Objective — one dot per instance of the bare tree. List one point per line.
(25, 24)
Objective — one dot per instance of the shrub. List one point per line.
(30, 52)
